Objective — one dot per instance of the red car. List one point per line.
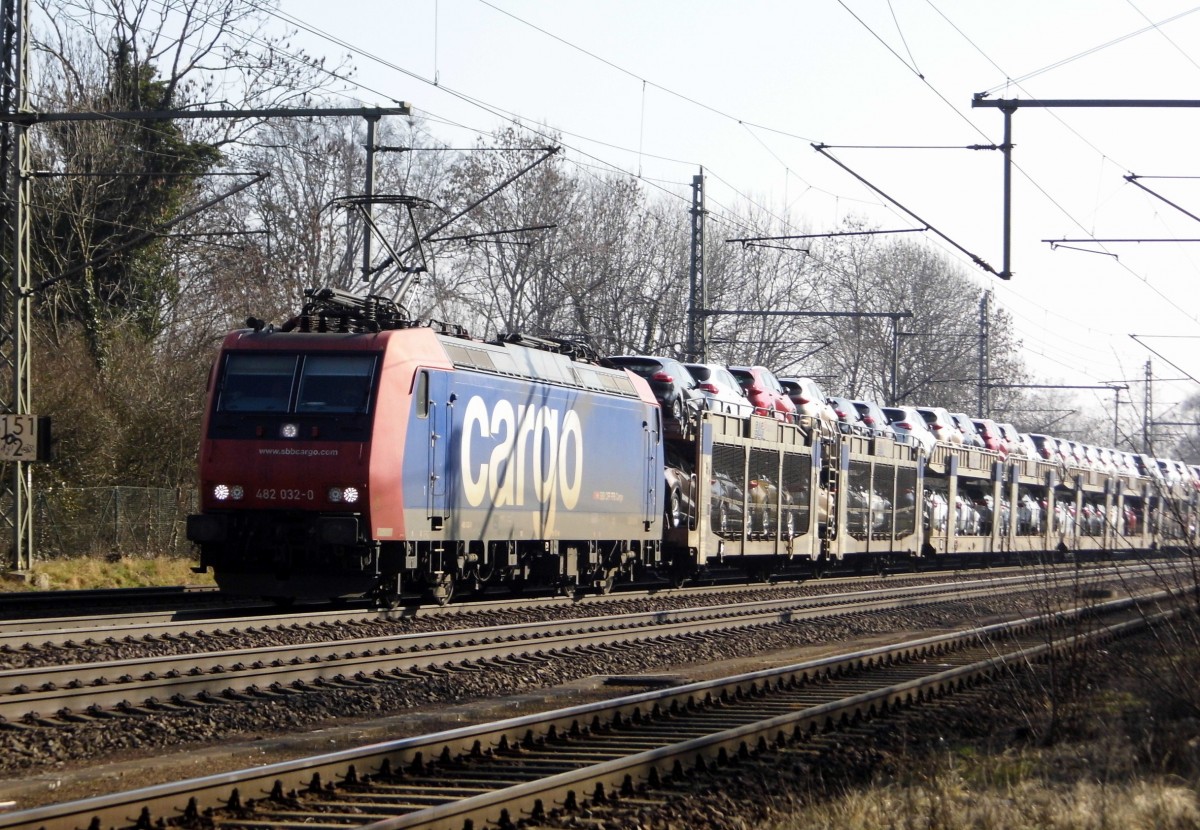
(765, 392)
(989, 431)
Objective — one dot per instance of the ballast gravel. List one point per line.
(26, 750)
(228, 634)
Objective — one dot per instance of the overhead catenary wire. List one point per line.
(617, 168)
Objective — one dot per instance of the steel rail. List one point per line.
(70, 631)
(59, 631)
(281, 784)
(16, 633)
(68, 690)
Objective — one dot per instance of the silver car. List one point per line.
(910, 427)
(966, 427)
(721, 390)
(940, 423)
(873, 418)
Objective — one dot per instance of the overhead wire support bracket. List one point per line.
(467, 236)
(1055, 244)
(145, 236)
(748, 240)
(978, 260)
(1119, 239)
(1008, 106)
(1133, 180)
(26, 119)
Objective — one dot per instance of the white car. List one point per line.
(721, 390)
(811, 401)
(910, 427)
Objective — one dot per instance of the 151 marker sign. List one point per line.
(24, 438)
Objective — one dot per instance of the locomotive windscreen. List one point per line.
(314, 383)
(258, 383)
(335, 383)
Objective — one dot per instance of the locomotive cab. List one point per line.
(285, 489)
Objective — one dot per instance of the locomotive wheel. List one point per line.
(610, 579)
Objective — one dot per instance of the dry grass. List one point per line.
(1128, 759)
(85, 573)
(947, 802)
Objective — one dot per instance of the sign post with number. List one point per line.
(19, 438)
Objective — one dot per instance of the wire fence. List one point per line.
(128, 521)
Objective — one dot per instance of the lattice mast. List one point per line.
(16, 491)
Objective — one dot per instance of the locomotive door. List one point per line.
(440, 406)
(654, 474)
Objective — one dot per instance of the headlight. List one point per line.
(226, 492)
(289, 430)
(349, 495)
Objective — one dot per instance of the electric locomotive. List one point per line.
(353, 452)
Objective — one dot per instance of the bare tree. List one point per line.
(115, 183)
(939, 348)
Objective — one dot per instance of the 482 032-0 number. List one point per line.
(272, 494)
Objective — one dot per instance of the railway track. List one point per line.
(148, 625)
(41, 613)
(59, 629)
(525, 768)
(63, 693)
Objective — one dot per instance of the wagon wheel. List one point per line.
(446, 593)
(388, 600)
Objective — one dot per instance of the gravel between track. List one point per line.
(100, 756)
(229, 634)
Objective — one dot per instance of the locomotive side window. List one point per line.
(336, 383)
(422, 395)
(257, 383)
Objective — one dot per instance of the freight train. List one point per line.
(353, 452)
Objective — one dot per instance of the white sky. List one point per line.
(744, 87)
